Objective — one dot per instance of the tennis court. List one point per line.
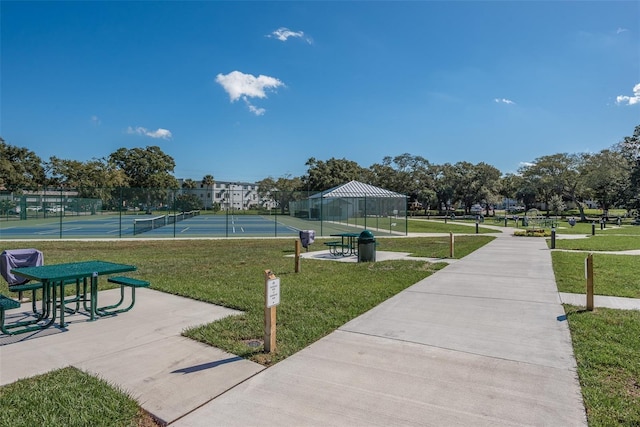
(147, 226)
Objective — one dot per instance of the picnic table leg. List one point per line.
(94, 296)
(62, 308)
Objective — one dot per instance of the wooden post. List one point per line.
(269, 315)
(297, 264)
(451, 244)
(589, 274)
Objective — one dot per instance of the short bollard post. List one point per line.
(553, 238)
(593, 228)
(476, 226)
(589, 273)
(601, 224)
(505, 220)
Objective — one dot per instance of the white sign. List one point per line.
(586, 273)
(273, 292)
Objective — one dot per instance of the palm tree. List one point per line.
(188, 184)
(208, 180)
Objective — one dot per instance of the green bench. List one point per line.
(334, 247)
(6, 303)
(30, 286)
(124, 282)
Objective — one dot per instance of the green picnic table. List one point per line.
(347, 246)
(55, 277)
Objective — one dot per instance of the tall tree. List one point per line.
(281, 191)
(324, 175)
(149, 172)
(208, 181)
(606, 177)
(188, 184)
(557, 174)
(475, 183)
(630, 149)
(407, 174)
(20, 168)
(444, 185)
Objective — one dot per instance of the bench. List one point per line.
(124, 282)
(334, 247)
(6, 303)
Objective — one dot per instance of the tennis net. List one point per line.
(177, 217)
(148, 224)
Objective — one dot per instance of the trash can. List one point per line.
(366, 247)
(307, 237)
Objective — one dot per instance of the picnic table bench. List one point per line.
(124, 282)
(6, 303)
(338, 248)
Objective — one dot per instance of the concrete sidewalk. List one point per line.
(481, 342)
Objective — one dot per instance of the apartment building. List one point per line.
(225, 194)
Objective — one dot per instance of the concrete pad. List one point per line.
(140, 351)
(156, 315)
(348, 379)
(173, 376)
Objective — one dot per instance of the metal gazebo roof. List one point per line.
(356, 189)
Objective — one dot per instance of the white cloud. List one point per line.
(504, 101)
(630, 100)
(255, 110)
(284, 33)
(621, 30)
(158, 133)
(95, 120)
(244, 86)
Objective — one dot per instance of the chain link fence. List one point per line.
(100, 213)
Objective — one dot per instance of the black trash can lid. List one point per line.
(366, 236)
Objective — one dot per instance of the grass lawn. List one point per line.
(600, 242)
(439, 226)
(607, 351)
(613, 275)
(587, 228)
(89, 402)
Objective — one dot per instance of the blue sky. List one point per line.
(246, 90)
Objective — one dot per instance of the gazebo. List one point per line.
(355, 203)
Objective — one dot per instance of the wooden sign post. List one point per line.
(272, 299)
(297, 263)
(588, 270)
